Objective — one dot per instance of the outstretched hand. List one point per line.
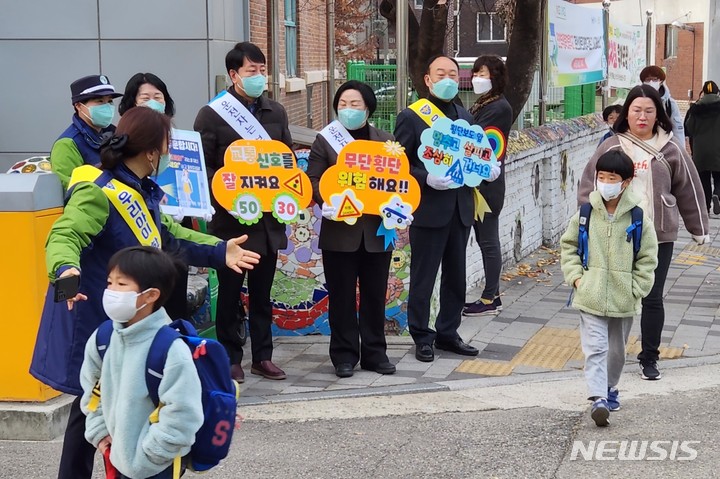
(237, 258)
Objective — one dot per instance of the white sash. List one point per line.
(336, 135)
(238, 117)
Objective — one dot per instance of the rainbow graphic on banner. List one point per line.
(497, 141)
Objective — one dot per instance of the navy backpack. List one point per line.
(219, 391)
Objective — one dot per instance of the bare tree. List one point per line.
(426, 38)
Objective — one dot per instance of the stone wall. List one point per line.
(542, 171)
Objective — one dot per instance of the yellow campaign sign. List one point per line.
(261, 176)
(371, 177)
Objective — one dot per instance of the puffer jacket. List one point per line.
(613, 285)
(86, 236)
(702, 126)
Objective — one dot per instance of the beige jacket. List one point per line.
(676, 186)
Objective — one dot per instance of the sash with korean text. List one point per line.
(336, 135)
(127, 202)
(238, 117)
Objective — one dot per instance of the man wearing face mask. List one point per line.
(247, 68)
(441, 227)
(655, 77)
(92, 99)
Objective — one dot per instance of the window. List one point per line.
(291, 38)
(671, 41)
(490, 27)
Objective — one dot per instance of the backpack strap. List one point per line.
(583, 229)
(102, 343)
(634, 231)
(157, 356)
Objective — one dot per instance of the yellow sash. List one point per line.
(127, 202)
(428, 112)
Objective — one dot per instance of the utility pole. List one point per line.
(648, 38)
(401, 42)
(542, 107)
(713, 66)
(606, 26)
(331, 58)
(275, 40)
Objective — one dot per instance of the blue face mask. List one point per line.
(446, 89)
(101, 115)
(163, 163)
(254, 86)
(155, 105)
(352, 119)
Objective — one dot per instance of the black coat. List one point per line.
(436, 207)
(702, 125)
(338, 235)
(268, 234)
(499, 114)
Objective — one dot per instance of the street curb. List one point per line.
(25, 421)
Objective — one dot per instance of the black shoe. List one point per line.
(424, 353)
(457, 346)
(649, 371)
(383, 368)
(344, 370)
(716, 204)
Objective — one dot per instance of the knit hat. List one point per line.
(710, 87)
(652, 71)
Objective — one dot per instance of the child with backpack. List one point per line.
(608, 256)
(143, 391)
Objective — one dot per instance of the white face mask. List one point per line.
(609, 191)
(481, 85)
(655, 84)
(120, 305)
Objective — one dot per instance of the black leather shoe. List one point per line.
(424, 353)
(383, 368)
(457, 346)
(344, 370)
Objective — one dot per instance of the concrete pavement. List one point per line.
(535, 333)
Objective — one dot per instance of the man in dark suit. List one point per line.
(441, 228)
(246, 66)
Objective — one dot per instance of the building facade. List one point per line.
(184, 42)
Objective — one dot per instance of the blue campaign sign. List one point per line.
(185, 180)
(458, 150)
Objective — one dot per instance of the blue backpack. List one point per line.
(634, 231)
(219, 391)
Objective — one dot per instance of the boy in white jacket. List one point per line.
(140, 280)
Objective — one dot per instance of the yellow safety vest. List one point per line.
(127, 202)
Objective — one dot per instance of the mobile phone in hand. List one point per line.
(66, 288)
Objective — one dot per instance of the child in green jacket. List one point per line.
(608, 292)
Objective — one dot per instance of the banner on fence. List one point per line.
(575, 44)
(626, 54)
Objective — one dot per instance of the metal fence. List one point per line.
(561, 103)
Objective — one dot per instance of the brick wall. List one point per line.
(679, 69)
(541, 190)
(311, 57)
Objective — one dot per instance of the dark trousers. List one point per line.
(176, 305)
(488, 237)
(260, 281)
(652, 319)
(78, 455)
(430, 247)
(708, 180)
(357, 337)
(166, 474)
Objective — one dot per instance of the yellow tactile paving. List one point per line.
(703, 250)
(551, 348)
(486, 368)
